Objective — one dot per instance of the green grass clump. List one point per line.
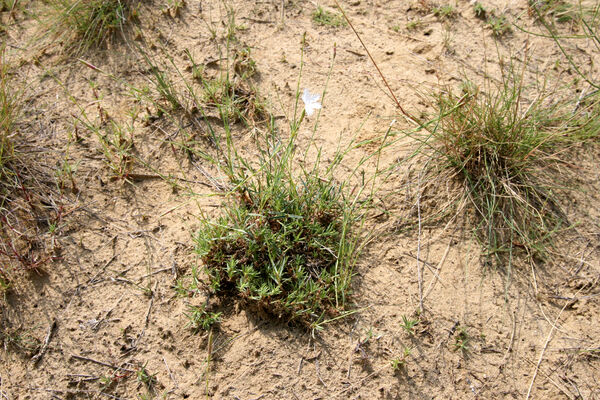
(285, 244)
(90, 23)
(327, 18)
(507, 155)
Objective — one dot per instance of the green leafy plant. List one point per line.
(200, 319)
(284, 244)
(462, 340)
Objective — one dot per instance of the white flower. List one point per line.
(311, 102)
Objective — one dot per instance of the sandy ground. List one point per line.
(108, 297)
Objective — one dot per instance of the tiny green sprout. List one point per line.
(173, 7)
(463, 340)
(52, 228)
(145, 377)
(4, 284)
(397, 363)
(105, 381)
(400, 362)
(370, 334)
(200, 319)
(480, 11)
(414, 24)
(180, 288)
(198, 72)
(408, 324)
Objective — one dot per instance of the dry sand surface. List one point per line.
(103, 314)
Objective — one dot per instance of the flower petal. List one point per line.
(311, 102)
(306, 96)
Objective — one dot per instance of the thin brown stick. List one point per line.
(410, 117)
(419, 270)
(537, 367)
(436, 272)
(82, 358)
(170, 373)
(42, 351)
(96, 325)
(319, 373)
(512, 338)
(361, 381)
(154, 273)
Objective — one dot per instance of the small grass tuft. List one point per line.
(408, 324)
(480, 11)
(327, 18)
(90, 23)
(462, 340)
(19, 340)
(444, 12)
(498, 24)
(414, 24)
(147, 379)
